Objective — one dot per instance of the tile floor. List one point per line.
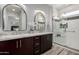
(60, 50)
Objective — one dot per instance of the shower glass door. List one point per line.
(59, 35)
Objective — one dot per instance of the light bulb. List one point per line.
(13, 9)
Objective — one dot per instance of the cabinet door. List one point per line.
(46, 42)
(25, 46)
(7, 47)
(49, 41)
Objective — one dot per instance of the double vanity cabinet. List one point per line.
(15, 19)
(32, 45)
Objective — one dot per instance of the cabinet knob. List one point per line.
(36, 37)
(37, 44)
(37, 51)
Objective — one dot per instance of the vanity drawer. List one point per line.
(36, 51)
(36, 43)
(37, 38)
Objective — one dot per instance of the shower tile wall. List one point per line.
(69, 38)
(57, 30)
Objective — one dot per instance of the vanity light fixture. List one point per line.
(13, 9)
(17, 18)
(70, 14)
(36, 11)
(56, 18)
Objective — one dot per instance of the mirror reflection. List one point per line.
(14, 18)
(40, 21)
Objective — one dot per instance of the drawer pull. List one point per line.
(37, 44)
(37, 51)
(36, 37)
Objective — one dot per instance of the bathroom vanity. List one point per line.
(15, 19)
(25, 44)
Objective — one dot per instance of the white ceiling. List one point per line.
(60, 6)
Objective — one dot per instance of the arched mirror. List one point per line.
(14, 17)
(40, 21)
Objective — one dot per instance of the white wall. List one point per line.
(72, 34)
(44, 7)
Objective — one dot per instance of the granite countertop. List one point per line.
(10, 37)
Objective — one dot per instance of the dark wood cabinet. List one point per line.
(46, 42)
(8, 47)
(26, 46)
